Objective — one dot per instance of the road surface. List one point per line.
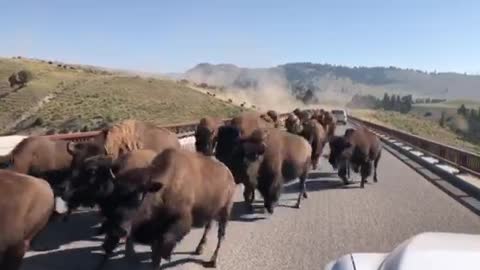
(333, 221)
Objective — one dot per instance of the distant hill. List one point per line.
(330, 81)
(64, 98)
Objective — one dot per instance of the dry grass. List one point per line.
(85, 98)
(416, 125)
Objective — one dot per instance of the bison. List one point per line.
(180, 189)
(206, 135)
(358, 148)
(92, 183)
(13, 80)
(41, 157)
(293, 124)
(247, 122)
(120, 139)
(315, 134)
(92, 180)
(271, 116)
(312, 131)
(26, 205)
(328, 123)
(266, 160)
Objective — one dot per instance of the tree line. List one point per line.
(470, 131)
(402, 104)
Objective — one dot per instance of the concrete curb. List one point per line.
(444, 171)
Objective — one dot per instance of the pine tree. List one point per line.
(442, 119)
(386, 102)
(462, 110)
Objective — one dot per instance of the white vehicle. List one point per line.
(340, 115)
(431, 250)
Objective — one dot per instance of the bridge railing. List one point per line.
(464, 160)
(182, 130)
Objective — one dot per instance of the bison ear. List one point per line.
(262, 147)
(152, 187)
(71, 148)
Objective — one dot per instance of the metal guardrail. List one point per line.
(464, 160)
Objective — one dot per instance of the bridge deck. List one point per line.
(333, 221)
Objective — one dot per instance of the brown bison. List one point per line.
(303, 115)
(247, 122)
(13, 80)
(293, 124)
(329, 124)
(41, 157)
(358, 148)
(312, 131)
(271, 116)
(180, 189)
(266, 160)
(206, 135)
(315, 134)
(26, 205)
(92, 181)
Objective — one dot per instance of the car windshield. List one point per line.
(337, 112)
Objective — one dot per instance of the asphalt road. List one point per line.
(333, 221)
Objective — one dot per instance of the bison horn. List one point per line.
(71, 147)
(111, 173)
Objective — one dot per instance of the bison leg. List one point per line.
(203, 241)
(222, 226)
(249, 195)
(365, 171)
(315, 158)
(175, 233)
(13, 256)
(130, 253)
(344, 172)
(156, 257)
(375, 179)
(303, 189)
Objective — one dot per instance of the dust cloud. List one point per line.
(266, 89)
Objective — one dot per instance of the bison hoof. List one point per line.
(305, 195)
(249, 208)
(210, 264)
(199, 250)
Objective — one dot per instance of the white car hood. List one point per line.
(437, 251)
(433, 250)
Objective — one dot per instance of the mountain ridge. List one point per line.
(298, 77)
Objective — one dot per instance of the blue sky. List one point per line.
(172, 36)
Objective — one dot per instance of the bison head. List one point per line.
(204, 140)
(122, 205)
(293, 124)
(338, 145)
(83, 150)
(90, 182)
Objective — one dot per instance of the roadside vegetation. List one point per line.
(418, 125)
(61, 98)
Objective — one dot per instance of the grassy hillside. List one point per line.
(84, 98)
(417, 125)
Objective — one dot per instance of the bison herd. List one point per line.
(150, 190)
